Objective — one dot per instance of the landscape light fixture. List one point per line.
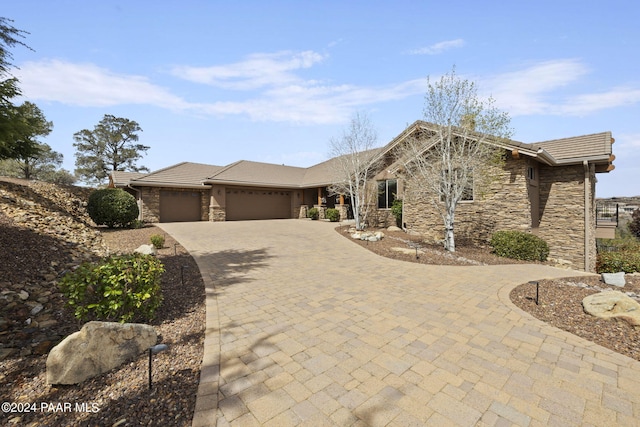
(155, 350)
(537, 290)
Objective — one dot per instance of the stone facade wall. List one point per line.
(505, 205)
(502, 205)
(217, 203)
(217, 214)
(381, 218)
(204, 205)
(562, 222)
(150, 204)
(344, 212)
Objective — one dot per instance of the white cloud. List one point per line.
(438, 48)
(88, 85)
(258, 70)
(314, 103)
(526, 91)
(592, 102)
(272, 90)
(538, 90)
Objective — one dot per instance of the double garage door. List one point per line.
(241, 204)
(247, 204)
(179, 206)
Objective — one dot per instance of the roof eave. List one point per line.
(168, 184)
(251, 184)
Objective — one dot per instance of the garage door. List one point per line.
(179, 206)
(244, 204)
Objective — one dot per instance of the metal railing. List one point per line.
(606, 213)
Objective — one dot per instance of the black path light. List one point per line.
(537, 290)
(155, 350)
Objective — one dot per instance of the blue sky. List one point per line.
(219, 81)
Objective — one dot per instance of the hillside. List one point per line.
(44, 231)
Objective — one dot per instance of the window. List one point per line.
(467, 191)
(387, 191)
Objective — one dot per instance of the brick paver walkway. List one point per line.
(305, 328)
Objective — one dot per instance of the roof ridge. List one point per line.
(161, 170)
(224, 169)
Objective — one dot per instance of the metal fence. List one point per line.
(607, 213)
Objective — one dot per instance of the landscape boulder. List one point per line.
(368, 235)
(97, 348)
(615, 279)
(613, 305)
(146, 250)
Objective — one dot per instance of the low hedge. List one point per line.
(519, 245)
(614, 262)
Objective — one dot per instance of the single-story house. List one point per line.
(546, 188)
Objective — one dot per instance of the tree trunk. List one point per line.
(449, 240)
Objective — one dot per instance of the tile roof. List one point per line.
(245, 172)
(182, 174)
(595, 148)
(578, 148)
(121, 178)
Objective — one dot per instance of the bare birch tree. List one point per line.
(355, 164)
(452, 160)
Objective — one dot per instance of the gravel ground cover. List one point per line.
(560, 301)
(120, 397)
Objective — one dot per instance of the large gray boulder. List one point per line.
(95, 349)
(615, 279)
(613, 305)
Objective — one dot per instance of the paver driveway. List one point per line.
(306, 328)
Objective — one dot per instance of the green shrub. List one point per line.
(120, 288)
(634, 225)
(157, 240)
(313, 213)
(396, 211)
(333, 215)
(519, 245)
(112, 207)
(614, 262)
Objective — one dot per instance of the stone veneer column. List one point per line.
(322, 211)
(303, 212)
(344, 212)
(217, 214)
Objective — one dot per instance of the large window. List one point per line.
(387, 191)
(467, 191)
